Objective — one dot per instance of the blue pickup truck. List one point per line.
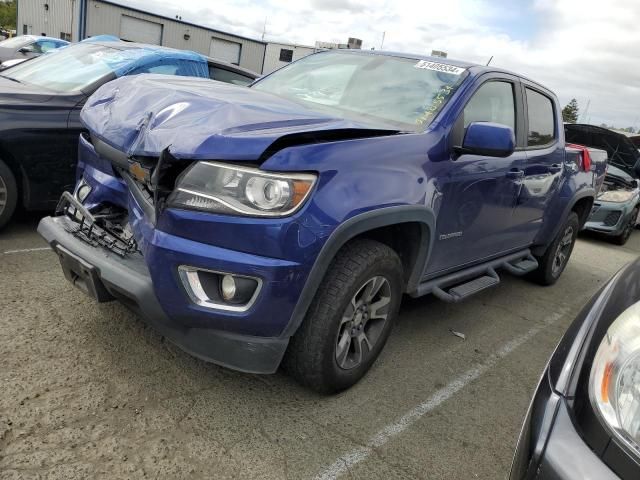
(282, 223)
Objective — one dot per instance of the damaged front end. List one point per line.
(107, 226)
(615, 210)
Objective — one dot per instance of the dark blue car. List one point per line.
(284, 222)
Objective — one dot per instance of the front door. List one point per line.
(475, 219)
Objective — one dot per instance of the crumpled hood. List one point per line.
(197, 118)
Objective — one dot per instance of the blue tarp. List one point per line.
(127, 61)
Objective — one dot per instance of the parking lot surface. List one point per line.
(90, 391)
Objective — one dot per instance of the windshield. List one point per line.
(15, 42)
(391, 92)
(68, 69)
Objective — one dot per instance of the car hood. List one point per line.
(203, 119)
(12, 92)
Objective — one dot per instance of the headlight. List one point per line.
(616, 196)
(614, 385)
(222, 188)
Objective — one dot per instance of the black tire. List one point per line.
(312, 355)
(628, 229)
(550, 267)
(8, 194)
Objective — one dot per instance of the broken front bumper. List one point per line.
(106, 276)
(609, 218)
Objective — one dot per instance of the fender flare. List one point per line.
(587, 192)
(353, 227)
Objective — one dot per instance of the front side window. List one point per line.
(541, 119)
(386, 91)
(43, 46)
(493, 102)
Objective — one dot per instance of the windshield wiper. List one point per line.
(12, 79)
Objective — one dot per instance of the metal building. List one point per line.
(78, 19)
(280, 54)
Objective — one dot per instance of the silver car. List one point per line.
(27, 46)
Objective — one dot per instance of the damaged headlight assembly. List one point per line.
(229, 189)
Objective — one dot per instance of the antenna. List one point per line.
(584, 114)
(382, 42)
(489, 60)
(264, 28)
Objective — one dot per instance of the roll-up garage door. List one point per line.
(225, 50)
(138, 30)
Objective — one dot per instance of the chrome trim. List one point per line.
(191, 282)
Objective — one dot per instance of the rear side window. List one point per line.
(541, 119)
(493, 102)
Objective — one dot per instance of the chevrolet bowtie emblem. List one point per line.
(141, 174)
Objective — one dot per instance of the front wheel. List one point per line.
(8, 194)
(554, 260)
(350, 318)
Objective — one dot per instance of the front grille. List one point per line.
(611, 219)
(103, 229)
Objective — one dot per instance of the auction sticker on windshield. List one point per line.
(439, 67)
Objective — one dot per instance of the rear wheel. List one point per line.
(628, 229)
(8, 194)
(349, 320)
(555, 259)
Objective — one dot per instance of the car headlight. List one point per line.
(222, 188)
(614, 385)
(616, 196)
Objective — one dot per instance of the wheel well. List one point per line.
(14, 166)
(404, 238)
(583, 208)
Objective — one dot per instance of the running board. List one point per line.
(457, 286)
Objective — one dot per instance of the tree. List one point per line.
(8, 15)
(570, 111)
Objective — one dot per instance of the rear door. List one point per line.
(544, 159)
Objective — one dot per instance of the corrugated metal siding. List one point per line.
(104, 18)
(48, 22)
(272, 55)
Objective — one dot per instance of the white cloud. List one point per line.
(586, 49)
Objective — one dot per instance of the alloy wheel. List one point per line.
(562, 252)
(3, 195)
(363, 322)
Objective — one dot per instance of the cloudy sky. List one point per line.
(585, 49)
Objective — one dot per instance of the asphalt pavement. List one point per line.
(90, 391)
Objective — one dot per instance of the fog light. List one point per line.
(83, 191)
(228, 287)
(219, 290)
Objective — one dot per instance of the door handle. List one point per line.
(515, 173)
(556, 167)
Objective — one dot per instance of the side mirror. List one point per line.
(488, 139)
(25, 50)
